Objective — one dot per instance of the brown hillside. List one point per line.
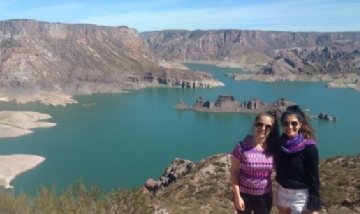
(82, 58)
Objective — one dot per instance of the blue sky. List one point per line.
(149, 15)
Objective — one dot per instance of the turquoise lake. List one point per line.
(127, 138)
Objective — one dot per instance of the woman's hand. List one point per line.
(239, 203)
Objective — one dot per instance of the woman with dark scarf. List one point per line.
(297, 165)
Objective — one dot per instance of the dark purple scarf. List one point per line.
(295, 144)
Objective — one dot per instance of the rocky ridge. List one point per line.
(339, 65)
(255, 48)
(273, 56)
(81, 58)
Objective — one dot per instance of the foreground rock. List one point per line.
(180, 168)
(227, 103)
(204, 187)
(13, 165)
(177, 168)
(14, 124)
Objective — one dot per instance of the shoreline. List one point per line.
(15, 124)
(13, 165)
(18, 123)
(222, 64)
(339, 80)
(46, 98)
(349, 80)
(248, 68)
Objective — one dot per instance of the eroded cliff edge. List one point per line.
(81, 59)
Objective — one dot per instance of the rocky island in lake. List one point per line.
(327, 117)
(227, 103)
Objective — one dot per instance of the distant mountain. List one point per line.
(82, 58)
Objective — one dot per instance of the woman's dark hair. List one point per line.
(303, 118)
(272, 140)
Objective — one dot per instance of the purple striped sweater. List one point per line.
(255, 168)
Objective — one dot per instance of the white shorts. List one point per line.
(295, 199)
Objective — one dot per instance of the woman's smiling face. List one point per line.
(263, 126)
(291, 125)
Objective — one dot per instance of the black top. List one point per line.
(300, 170)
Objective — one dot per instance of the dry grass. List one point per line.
(206, 189)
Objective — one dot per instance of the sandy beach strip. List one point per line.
(13, 165)
(47, 98)
(17, 123)
(14, 124)
(4, 99)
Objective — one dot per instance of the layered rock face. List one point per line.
(283, 53)
(82, 59)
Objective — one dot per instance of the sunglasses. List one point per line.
(288, 123)
(260, 125)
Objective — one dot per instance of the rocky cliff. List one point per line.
(82, 58)
(276, 52)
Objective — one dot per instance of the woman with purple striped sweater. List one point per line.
(252, 164)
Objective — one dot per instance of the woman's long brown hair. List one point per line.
(272, 140)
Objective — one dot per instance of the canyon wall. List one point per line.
(265, 51)
(82, 58)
